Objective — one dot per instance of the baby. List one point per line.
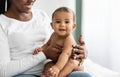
(63, 23)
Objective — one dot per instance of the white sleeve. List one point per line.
(8, 67)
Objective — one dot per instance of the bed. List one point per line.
(98, 71)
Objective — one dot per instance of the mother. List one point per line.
(23, 29)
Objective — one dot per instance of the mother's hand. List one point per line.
(79, 51)
(52, 52)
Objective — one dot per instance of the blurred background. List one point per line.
(99, 23)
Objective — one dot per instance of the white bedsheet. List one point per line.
(98, 71)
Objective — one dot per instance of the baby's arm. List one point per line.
(63, 58)
(67, 49)
(76, 59)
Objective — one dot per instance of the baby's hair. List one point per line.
(3, 4)
(63, 9)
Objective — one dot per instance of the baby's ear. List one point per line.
(51, 25)
(74, 26)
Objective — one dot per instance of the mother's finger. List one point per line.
(81, 56)
(78, 51)
(76, 46)
(80, 39)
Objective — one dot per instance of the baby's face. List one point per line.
(63, 23)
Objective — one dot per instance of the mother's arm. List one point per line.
(10, 67)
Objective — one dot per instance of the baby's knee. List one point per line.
(74, 62)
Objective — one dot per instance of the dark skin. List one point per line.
(20, 9)
(54, 48)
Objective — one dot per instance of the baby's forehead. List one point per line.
(63, 15)
(60, 14)
(69, 12)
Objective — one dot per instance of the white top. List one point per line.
(18, 40)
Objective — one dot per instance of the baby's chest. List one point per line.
(57, 42)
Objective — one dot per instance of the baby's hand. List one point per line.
(37, 50)
(53, 71)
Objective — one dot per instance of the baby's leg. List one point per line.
(79, 68)
(69, 67)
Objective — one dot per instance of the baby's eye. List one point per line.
(57, 21)
(66, 22)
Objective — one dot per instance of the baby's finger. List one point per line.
(39, 49)
(35, 52)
